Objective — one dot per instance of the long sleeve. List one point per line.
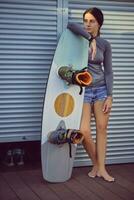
(77, 29)
(108, 72)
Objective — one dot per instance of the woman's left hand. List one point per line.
(107, 105)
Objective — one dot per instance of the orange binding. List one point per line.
(84, 78)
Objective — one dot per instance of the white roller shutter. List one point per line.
(28, 37)
(118, 28)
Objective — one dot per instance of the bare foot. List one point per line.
(93, 172)
(105, 176)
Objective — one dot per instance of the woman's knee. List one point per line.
(101, 127)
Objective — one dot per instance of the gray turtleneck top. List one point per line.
(101, 66)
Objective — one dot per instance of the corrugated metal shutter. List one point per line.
(119, 30)
(28, 37)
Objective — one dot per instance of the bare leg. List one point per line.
(88, 142)
(101, 139)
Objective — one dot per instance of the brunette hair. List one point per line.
(97, 13)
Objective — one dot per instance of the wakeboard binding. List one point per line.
(62, 135)
(81, 77)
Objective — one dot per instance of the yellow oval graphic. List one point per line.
(64, 104)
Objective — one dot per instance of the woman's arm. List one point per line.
(77, 29)
(108, 72)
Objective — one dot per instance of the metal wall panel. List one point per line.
(28, 38)
(118, 28)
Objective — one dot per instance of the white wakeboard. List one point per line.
(62, 103)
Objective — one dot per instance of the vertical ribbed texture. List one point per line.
(28, 37)
(118, 28)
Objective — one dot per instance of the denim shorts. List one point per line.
(94, 94)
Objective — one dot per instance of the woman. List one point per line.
(99, 94)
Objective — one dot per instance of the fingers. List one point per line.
(107, 105)
(106, 108)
